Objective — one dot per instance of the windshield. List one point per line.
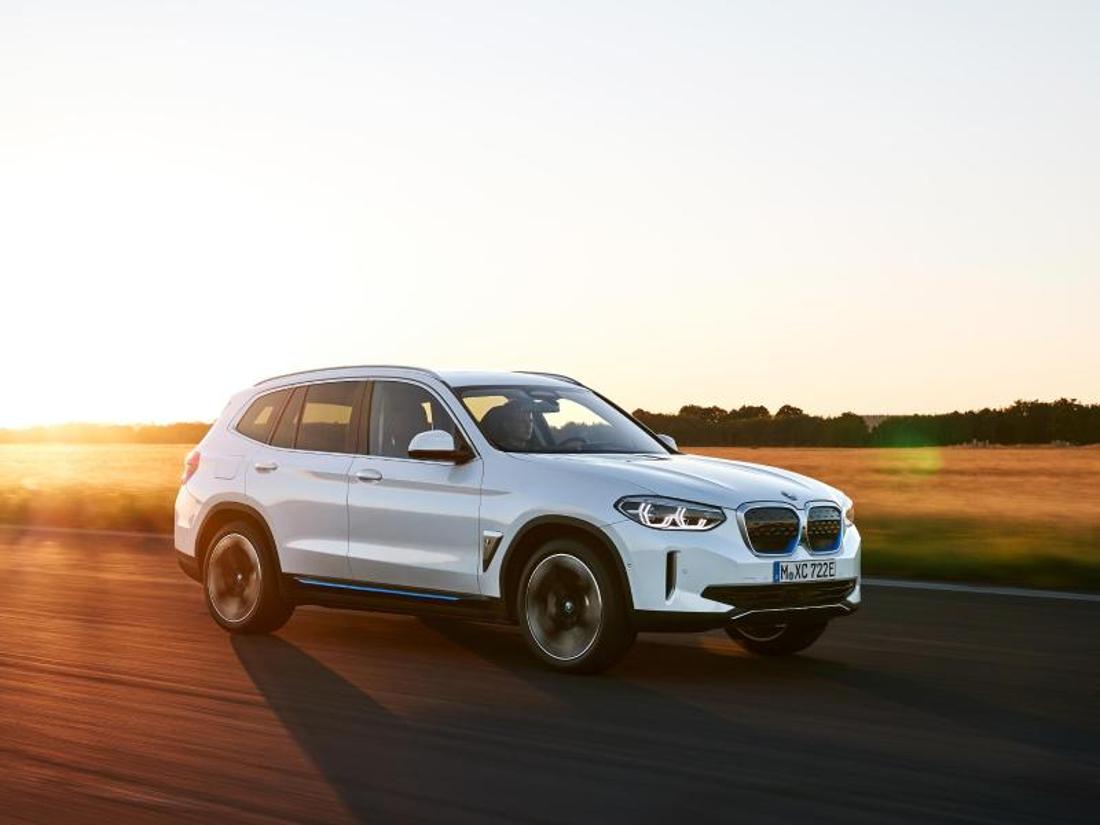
(553, 420)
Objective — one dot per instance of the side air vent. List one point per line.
(490, 541)
(672, 561)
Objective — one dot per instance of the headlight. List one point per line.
(670, 513)
(850, 515)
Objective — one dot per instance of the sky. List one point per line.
(875, 207)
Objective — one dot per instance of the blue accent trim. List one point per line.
(387, 591)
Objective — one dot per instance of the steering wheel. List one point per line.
(575, 438)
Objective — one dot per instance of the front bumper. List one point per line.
(667, 621)
(694, 577)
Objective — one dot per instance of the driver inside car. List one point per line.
(511, 425)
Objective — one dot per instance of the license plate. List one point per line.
(803, 571)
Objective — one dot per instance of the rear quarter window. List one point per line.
(259, 419)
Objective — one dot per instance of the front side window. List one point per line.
(400, 411)
(552, 420)
(260, 418)
(325, 422)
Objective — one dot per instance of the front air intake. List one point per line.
(823, 528)
(771, 530)
(781, 596)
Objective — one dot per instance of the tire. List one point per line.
(240, 581)
(571, 609)
(777, 640)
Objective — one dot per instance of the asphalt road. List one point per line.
(121, 701)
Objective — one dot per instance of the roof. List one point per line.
(454, 378)
(485, 378)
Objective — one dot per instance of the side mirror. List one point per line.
(669, 442)
(437, 445)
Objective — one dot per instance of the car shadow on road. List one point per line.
(660, 664)
(614, 749)
(383, 768)
(649, 740)
(661, 753)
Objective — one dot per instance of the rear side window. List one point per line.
(260, 417)
(325, 424)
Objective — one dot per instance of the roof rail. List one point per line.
(348, 367)
(557, 375)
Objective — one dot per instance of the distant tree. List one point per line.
(788, 411)
(846, 430)
(711, 414)
(748, 411)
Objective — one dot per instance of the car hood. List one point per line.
(698, 478)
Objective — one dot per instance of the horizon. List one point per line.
(10, 422)
(673, 412)
(852, 207)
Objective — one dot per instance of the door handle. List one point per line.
(265, 466)
(368, 475)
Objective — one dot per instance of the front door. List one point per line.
(412, 523)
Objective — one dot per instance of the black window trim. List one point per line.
(364, 400)
(356, 408)
(303, 388)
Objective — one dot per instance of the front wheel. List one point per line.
(571, 609)
(241, 581)
(777, 639)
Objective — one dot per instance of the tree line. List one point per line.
(1024, 422)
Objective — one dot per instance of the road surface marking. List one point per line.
(982, 589)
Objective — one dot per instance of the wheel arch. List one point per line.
(221, 514)
(541, 529)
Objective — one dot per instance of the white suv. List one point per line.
(517, 497)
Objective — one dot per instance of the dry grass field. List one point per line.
(1002, 515)
(103, 486)
(1027, 515)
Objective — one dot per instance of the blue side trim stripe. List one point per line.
(436, 597)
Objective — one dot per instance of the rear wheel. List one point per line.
(241, 581)
(777, 639)
(571, 609)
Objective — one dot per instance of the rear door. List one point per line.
(301, 477)
(413, 523)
